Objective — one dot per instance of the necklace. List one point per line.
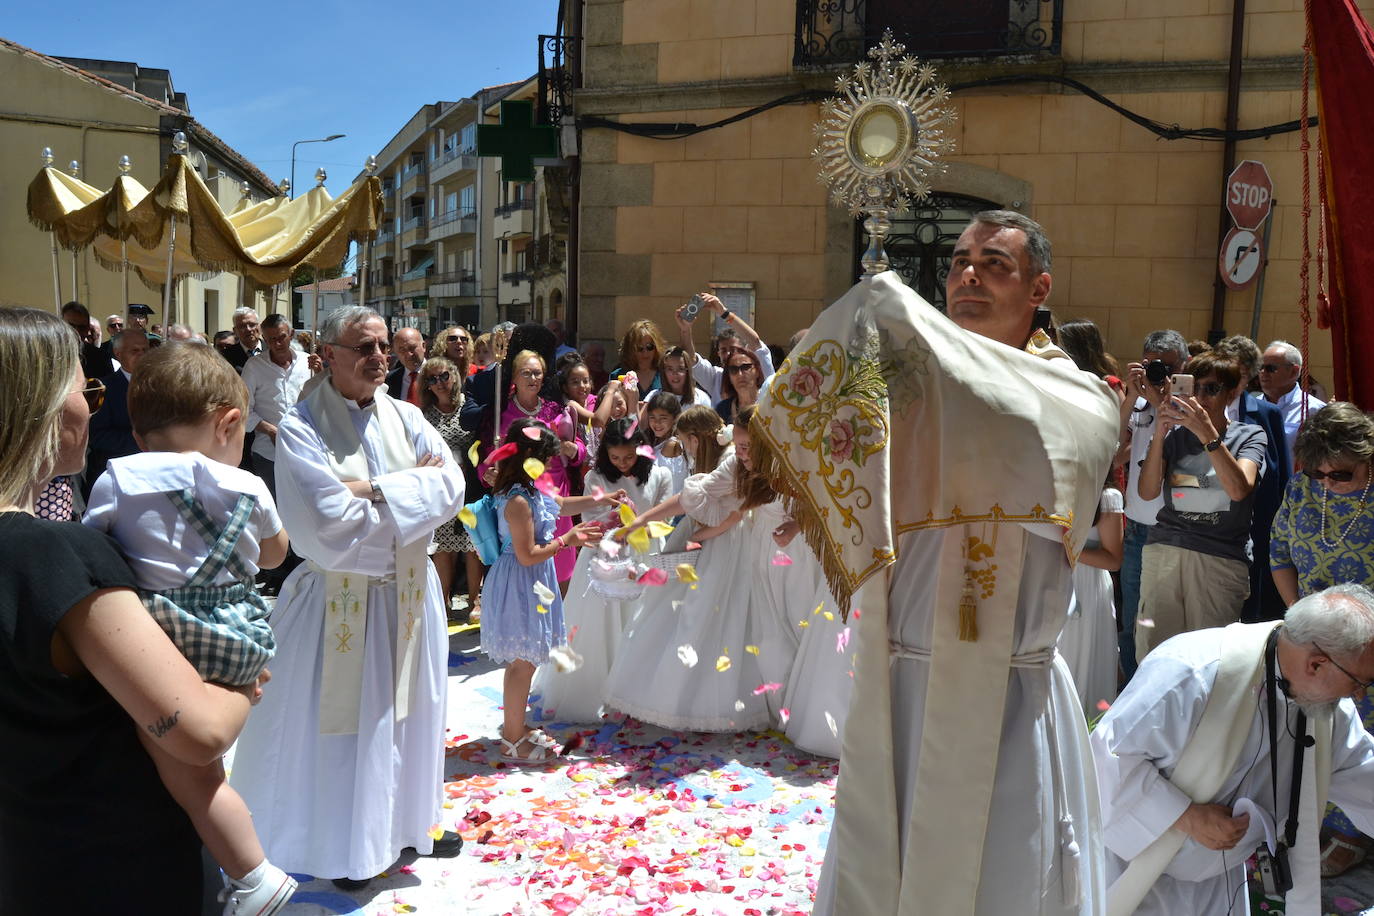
(1359, 510)
(521, 407)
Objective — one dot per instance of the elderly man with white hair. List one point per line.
(343, 763)
(1280, 380)
(1225, 736)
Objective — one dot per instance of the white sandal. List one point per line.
(542, 748)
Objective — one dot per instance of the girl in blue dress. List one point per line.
(523, 610)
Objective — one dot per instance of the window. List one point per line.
(469, 142)
(467, 199)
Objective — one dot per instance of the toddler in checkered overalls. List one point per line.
(195, 529)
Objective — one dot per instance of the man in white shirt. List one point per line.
(274, 379)
(1280, 368)
(1138, 427)
(1199, 757)
(736, 336)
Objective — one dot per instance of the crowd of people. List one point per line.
(627, 552)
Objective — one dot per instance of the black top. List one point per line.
(76, 786)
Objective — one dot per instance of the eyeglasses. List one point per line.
(532, 375)
(647, 348)
(452, 337)
(370, 348)
(94, 393)
(1270, 367)
(739, 368)
(1210, 389)
(1363, 685)
(439, 379)
(1333, 476)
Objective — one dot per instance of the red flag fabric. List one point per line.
(1343, 47)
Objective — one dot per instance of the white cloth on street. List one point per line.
(1088, 643)
(1141, 739)
(272, 391)
(130, 503)
(595, 624)
(346, 805)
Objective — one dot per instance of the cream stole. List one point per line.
(346, 593)
(1211, 756)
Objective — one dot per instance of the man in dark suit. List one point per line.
(111, 432)
(95, 362)
(1264, 602)
(248, 334)
(403, 382)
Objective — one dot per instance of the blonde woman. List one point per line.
(441, 397)
(641, 352)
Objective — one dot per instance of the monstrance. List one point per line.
(881, 138)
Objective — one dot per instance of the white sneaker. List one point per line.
(267, 897)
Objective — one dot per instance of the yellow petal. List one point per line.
(829, 615)
(541, 609)
(639, 540)
(467, 517)
(687, 572)
(659, 529)
(627, 515)
(436, 832)
(534, 467)
(752, 650)
(803, 624)
(472, 453)
(818, 609)
(723, 663)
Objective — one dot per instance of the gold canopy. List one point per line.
(264, 242)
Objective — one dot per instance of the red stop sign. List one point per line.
(1249, 194)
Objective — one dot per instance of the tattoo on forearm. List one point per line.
(162, 726)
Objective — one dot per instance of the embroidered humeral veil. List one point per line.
(890, 420)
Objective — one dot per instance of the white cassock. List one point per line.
(957, 477)
(1139, 742)
(345, 805)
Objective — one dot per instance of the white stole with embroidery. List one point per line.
(346, 593)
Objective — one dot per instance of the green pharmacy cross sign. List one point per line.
(517, 140)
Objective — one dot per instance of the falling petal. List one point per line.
(693, 545)
(467, 517)
(639, 540)
(659, 529)
(598, 493)
(544, 484)
(830, 723)
(532, 433)
(646, 451)
(687, 572)
(564, 659)
(634, 425)
(739, 706)
(752, 650)
(781, 559)
(828, 615)
(534, 467)
(820, 607)
(472, 454)
(855, 613)
(687, 655)
(543, 593)
(766, 688)
(803, 624)
(436, 832)
(784, 714)
(1103, 706)
(654, 577)
(842, 640)
(611, 547)
(627, 515)
(541, 609)
(723, 663)
(1147, 622)
(504, 451)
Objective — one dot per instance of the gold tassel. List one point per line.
(968, 611)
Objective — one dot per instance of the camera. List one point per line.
(693, 308)
(1274, 872)
(1157, 371)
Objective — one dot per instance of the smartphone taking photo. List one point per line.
(1183, 385)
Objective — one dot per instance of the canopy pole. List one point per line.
(167, 283)
(124, 269)
(365, 247)
(315, 306)
(125, 166)
(74, 169)
(56, 276)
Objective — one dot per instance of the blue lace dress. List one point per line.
(513, 627)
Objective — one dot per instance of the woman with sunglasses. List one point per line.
(641, 352)
(741, 384)
(1323, 535)
(1195, 566)
(441, 397)
(456, 344)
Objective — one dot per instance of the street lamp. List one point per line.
(293, 155)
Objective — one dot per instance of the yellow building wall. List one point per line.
(1133, 218)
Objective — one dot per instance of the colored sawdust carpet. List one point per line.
(635, 820)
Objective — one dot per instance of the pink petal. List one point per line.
(784, 714)
(634, 425)
(654, 577)
(693, 545)
(781, 559)
(842, 640)
(646, 451)
(598, 493)
(1103, 706)
(766, 688)
(546, 485)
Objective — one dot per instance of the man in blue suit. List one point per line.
(1264, 602)
(112, 433)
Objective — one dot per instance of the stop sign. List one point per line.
(1249, 194)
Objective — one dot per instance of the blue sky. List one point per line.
(263, 75)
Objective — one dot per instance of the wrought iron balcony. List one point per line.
(556, 78)
(524, 203)
(517, 276)
(831, 32)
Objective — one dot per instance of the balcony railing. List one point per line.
(524, 203)
(454, 153)
(450, 216)
(517, 276)
(415, 222)
(831, 32)
(411, 171)
(388, 190)
(467, 282)
(546, 252)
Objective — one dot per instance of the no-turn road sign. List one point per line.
(1242, 253)
(1249, 194)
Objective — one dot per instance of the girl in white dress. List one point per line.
(595, 623)
(695, 658)
(658, 424)
(1088, 642)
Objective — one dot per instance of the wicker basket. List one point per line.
(671, 561)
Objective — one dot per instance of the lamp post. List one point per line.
(293, 155)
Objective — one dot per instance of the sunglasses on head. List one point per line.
(94, 393)
(439, 379)
(1333, 476)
